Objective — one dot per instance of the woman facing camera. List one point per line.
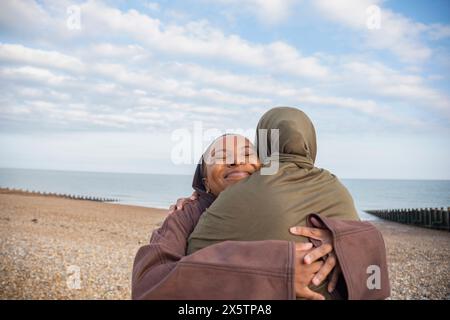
(241, 251)
(229, 270)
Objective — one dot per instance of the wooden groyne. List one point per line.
(435, 218)
(59, 195)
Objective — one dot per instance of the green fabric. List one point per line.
(264, 207)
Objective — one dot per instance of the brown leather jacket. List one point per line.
(254, 269)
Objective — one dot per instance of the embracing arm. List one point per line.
(228, 270)
(361, 253)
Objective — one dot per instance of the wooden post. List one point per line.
(447, 215)
(429, 218)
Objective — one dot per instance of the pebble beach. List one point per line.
(46, 241)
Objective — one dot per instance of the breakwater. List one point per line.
(435, 218)
(59, 195)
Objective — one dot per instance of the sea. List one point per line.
(162, 190)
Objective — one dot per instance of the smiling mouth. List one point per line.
(233, 175)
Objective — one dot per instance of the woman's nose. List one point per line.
(236, 162)
(233, 164)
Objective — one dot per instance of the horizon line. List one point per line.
(186, 174)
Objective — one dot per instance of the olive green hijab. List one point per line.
(264, 207)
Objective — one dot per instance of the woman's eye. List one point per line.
(221, 157)
(218, 154)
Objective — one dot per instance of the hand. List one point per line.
(181, 202)
(305, 272)
(326, 249)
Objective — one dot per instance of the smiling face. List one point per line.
(228, 160)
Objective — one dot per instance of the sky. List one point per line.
(123, 86)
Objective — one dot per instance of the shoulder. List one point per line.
(195, 206)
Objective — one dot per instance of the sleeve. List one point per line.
(361, 252)
(228, 270)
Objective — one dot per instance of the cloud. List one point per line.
(130, 51)
(268, 11)
(195, 38)
(381, 80)
(154, 6)
(123, 96)
(39, 22)
(16, 53)
(438, 31)
(126, 74)
(112, 95)
(102, 81)
(397, 33)
(37, 75)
